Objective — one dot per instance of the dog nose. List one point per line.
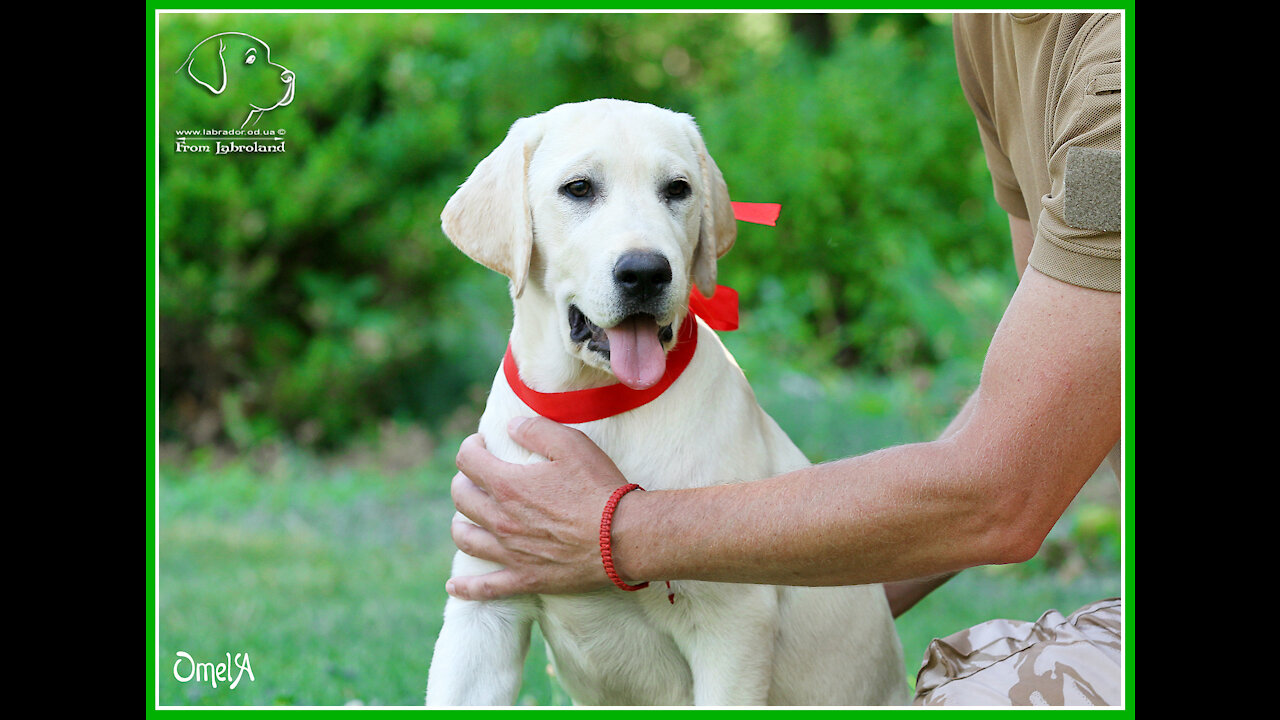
(642, 274)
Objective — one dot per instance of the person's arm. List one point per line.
(1022, 236)
(904, 594)
(1046, 412)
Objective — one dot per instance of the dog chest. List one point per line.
(615, 648)
(607, 651)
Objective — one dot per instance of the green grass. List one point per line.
(331, 579)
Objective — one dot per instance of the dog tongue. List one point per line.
(635, 353)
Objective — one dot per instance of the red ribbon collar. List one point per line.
(720, 312)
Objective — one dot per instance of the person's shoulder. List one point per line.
(1098, 42)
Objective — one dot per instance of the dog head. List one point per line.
(240, 66)
(611, 212)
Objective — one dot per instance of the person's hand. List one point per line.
(541, 522)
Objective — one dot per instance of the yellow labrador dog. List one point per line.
(605, 215)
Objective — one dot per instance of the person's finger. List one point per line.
(476, 541)
(491, 586)
(545, 437)
(476, 462)
(472, 501)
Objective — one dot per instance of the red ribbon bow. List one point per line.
(720, 311)
(758, 213)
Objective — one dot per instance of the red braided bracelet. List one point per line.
(606, 552)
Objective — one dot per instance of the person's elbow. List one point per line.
(1023, 512)
(1021, 539)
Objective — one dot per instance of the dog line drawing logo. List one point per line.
(240, 66)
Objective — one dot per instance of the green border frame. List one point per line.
(1129, 391)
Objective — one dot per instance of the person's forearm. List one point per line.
(899, 513)
(904, 594)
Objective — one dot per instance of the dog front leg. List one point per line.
(479, 656)
(730, 648)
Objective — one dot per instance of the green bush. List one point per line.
(887, 240)
(311, 293)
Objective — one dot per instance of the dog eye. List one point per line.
(678, 189)
(579, 188)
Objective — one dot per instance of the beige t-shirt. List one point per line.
(1046, 91)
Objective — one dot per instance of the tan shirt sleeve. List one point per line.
(974, 63)
(1060, 113)
(1078, 231)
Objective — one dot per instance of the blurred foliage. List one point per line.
(311, 294)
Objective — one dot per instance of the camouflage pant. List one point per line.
(1053, 661)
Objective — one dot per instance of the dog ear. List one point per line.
(719, 230)
(488, 218)
(206, 63)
